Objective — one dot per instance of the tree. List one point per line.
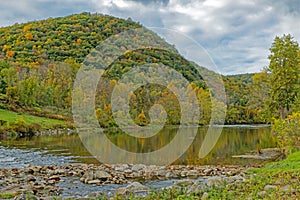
(259, 96)
(284, 68)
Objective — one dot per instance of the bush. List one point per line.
(23, 129)
(287, 132)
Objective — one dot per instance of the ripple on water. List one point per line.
(19, 158)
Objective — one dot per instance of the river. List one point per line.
(234, 140)
(60, 150)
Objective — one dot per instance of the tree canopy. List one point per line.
(284, 68)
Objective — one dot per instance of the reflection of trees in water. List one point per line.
(233, 141)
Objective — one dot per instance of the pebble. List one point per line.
(44, 180)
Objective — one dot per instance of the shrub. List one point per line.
(287, 132)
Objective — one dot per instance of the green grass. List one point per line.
(7, 195)
(292, 163)
(45, 123)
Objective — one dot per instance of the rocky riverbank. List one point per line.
(45, 181)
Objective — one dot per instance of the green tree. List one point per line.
(259, 96)
(3, 84)
(284, 68)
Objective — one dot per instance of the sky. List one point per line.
(237, 34)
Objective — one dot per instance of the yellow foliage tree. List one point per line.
(141, 119)
(10, 54)
(27, 28)
(29, 36)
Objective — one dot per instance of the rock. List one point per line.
(287, 188)
(121, 168)
(262, 194)
(127, 171)
(102, 175)
(88, 176)
(134, 187)
(235, 178)
(40, 187)
(51, 182)
(30, 178)
(97, 181)
(207, 172)
(59, 172)
(216, 181)
(266, 154)
(54, 177)
(205, 195)
(183, 173)
(197, 186)
(25, 196)
(192, 174)
(170, 175)
(185, 182)
(162, 173)
(82, 179)
(270, 187)
(138, 167)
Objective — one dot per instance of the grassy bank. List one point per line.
(10, 116)
(276, 180)
(12, 122)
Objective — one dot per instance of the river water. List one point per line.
(62, 149)
(65, 149)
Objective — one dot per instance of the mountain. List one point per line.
(60, 38)
(39, 61)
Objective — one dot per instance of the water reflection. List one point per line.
(233, 141)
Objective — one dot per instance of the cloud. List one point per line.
(237, 34)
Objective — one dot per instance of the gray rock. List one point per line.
(216, 181)
(59, 172)
(205, 195)
(138, 167)
(195, 188)
(88, 176)
(183, 173)
(185, 182)
(134, 187)
(192, 174)
(121, 168)
(127, 171)
(30, 178)
(54, 177)
(170, 175)
(287, 188)
(207, 171)
(162, 172)
(235, 178)
(270, 187)
(102, 175)
(97, 181)
(262, 194)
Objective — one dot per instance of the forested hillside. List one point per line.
(39, 62)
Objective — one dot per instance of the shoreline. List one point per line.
(45, 181)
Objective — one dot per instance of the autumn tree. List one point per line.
(259, 96)
(284, 68)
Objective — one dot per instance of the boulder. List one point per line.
(102, 175)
